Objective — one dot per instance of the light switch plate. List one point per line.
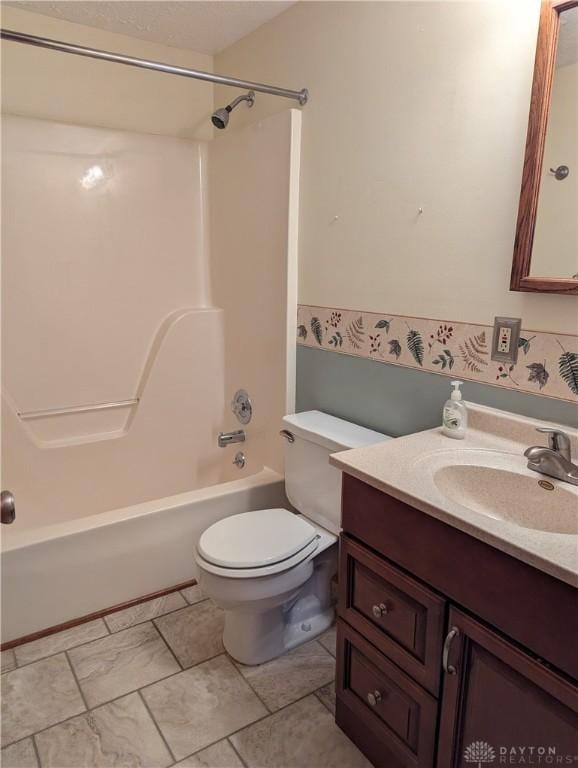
(505, 339)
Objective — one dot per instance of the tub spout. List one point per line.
(227, 438)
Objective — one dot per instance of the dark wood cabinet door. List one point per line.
(501, 705)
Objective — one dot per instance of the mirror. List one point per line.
(546, 247)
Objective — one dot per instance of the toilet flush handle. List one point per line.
(287, 435)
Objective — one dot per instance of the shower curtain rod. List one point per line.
(94, 53)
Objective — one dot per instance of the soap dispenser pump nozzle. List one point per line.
(456, 392)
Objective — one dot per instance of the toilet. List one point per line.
(270, 570)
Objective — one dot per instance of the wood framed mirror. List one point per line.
(546, 245)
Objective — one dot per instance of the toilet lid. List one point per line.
(255, 539)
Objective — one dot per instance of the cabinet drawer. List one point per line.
(374, 688)
(400, 713)
(397, 614)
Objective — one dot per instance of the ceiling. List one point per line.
(206, 27)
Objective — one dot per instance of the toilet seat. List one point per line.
(257, 543)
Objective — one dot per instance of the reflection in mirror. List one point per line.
(555, 251)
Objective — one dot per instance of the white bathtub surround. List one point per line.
(164, 314)
(272, 571)
(214, 713)
(136, 454)
(81, 244)
(111, 501)
(254, 177)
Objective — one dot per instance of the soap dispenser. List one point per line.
(455, 414)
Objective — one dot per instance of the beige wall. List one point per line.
(555, 251)
(71, 89)
(413, 105)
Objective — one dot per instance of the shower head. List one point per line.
(220, 117)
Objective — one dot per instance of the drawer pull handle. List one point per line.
(379, 610)
(373, 698)
(449, 668)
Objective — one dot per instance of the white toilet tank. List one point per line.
(312, 485)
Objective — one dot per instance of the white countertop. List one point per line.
(396, 467)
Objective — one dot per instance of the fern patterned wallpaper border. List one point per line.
(547, 362)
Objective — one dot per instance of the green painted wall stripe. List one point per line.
(397, 400)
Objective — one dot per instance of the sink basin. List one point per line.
(499, 485)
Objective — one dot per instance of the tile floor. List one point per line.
(152, 686)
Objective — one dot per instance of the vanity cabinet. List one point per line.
(444, 641)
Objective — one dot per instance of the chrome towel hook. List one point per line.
(561, 172)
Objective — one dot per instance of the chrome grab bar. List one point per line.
(76, 409)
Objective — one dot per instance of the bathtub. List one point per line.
(55, 573)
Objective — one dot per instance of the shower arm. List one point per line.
(301, 96)
(250, 97)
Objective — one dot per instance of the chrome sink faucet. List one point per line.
(556, 459)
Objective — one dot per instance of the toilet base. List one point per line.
(256, 638)
(260, 630)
